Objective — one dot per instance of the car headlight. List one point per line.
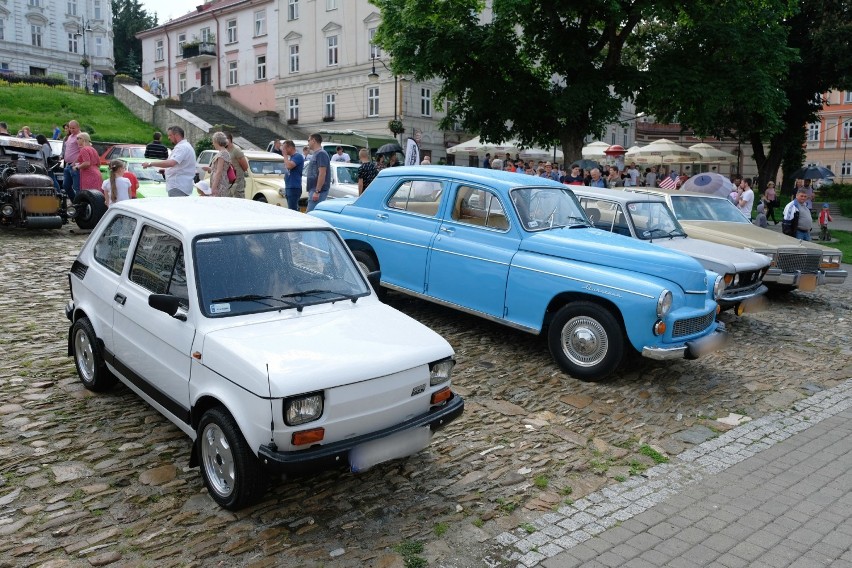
(718, 287)
(831, 260)
(8, 210)
(441, 371)
(664, 303)
(303, 409)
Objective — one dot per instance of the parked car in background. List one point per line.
(330, 147)
(519, 250)
(793, 263)
(344, 180)
(649, 218)
(253, 330)
(264, 180)
(122, 151)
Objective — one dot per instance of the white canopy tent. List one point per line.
(477, 146)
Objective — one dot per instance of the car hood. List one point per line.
(321, 347)
(269, 182)
(723, 259)
(609, 249)
(745, 235)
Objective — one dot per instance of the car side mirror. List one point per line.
(166, 303)
(375, 278)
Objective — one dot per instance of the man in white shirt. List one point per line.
(340, 156)
(180, 166)
(633, 176)
(746, 199)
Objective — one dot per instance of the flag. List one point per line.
(412, 153)
(668, 183)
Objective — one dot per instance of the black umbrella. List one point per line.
(812, 172)
(585, 164)
(389, 149)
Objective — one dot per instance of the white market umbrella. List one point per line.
(662, 151)
(594, 151)
(712, 155)
(477, 146)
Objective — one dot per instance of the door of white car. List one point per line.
(471, 255)
(153, 347)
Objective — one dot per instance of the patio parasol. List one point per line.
(662, 151)
(712, 155)
(710, 183)
(595, 150)
(477, 146)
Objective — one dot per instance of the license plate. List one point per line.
(399, 445)
(807, 282)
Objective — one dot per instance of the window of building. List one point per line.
(206, 34)
(2, 29)
(331, 43)
(292, 9)
(612, 138)
(847, 131)
(35, 3)
(846, 169)
(72, 7)
(375, 50)
(624, 139)
(260, 23)
(847, 97)
(294, 58)
(426, 101)
(72, 43)
(331, 4)
(261, 67)
(232, 72)
(330, 103)
(158, 50)
(98, 13)
(231, 29)
(38, 71)
(99, 47)
(293, 109)
(182, 82)
(35, 32)
(373, 101)
(74, 80)
(813, 132)
(181, 39)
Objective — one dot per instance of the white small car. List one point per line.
(343, 182)
(253, 330)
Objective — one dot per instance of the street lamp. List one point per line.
(81, 31)
(374, 78)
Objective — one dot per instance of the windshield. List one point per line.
(653, 220)
(347, 174)
(257, 272)
(145, 174)
(698, 208)
(541, 208)
(264, 167)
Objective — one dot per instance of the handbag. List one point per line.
(232, 174)
(789, 227)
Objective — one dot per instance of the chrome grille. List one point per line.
(800, 261)
(693, 325)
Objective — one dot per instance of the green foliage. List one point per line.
(41, 107)
(409, 550)
(478, 522)
(529, 527)
(844, 241)
(129, 18)
(203, 144)
(647, 450)
(541, 481)
(441, 529)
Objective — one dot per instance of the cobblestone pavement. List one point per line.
(102, 479)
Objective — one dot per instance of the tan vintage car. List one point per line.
(264, 178)
(794, 263)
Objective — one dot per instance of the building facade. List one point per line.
(71, 39)
(827, 141)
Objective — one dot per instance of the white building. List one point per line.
(45, 37)
(312, 61)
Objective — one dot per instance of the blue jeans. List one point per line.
(312, 203)
(293, 194)
(803, 235)
(71, 181)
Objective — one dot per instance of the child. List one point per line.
(761, 216)
(824, 218)
(117, 187)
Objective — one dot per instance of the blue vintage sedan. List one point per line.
(520, 251)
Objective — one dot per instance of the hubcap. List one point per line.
(217, 460)
(584, 341)
(85, 356)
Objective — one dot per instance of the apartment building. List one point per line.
(827, 142)
(71, 39)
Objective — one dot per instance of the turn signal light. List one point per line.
(311, 436)
(442, 395)
(659, 327)
(740, 309)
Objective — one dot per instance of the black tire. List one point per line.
(88, 357)
(90, 208)
(366, 262)
(586, 340)
(232, 473)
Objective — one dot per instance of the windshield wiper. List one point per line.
(257, 298)
(317, 292)
(669, 234)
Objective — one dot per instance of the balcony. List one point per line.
(199, 52)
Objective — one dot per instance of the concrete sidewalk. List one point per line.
(773, 492)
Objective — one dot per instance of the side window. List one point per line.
(111, 248)
(418, 196)
(158, 264)
(475, 206)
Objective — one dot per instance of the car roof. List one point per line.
(261, 155)
(493, 178)
(616, 195)
(662, 192)
(206, 215)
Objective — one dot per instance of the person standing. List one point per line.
(746, 199)
(797, 211)
(180, 166)
(597, 180)
(651, 177)
(367, 171)
(295, 163)
(156, 150)
(57, 132)
(317, 172)
(824, 220)
(770, 201)
(70, 153)
(277, 148)
(220, 186)
(340, 156)
(88, 163)
(632, 175)
(241, 166)
(117, 187)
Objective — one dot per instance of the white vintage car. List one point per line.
(253, 330)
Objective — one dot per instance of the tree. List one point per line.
(129, 18)
(541, 71)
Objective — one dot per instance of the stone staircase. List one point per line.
(213, 114)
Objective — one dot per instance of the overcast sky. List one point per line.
(170, 9)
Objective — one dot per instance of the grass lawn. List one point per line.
(41, 107)
(844, 243)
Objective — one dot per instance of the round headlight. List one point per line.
(664, 303)
(71, 211)
(718, 287)
(8, 210)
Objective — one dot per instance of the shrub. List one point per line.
(203, 144)
(127, 79)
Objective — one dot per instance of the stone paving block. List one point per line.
(550, 550)
(639, 563)
(805, 535)
(693, 535)
(565, 560)
(747, 551)
(626, 551)
(611, 559)
(681, 562)
(643, 541)
(764, 538)
(673, 546)
(731, 561)
(664, 530)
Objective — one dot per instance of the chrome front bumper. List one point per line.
(691, 349)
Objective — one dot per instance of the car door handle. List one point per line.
(382, 216)
(120, 298)
(448, 230)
